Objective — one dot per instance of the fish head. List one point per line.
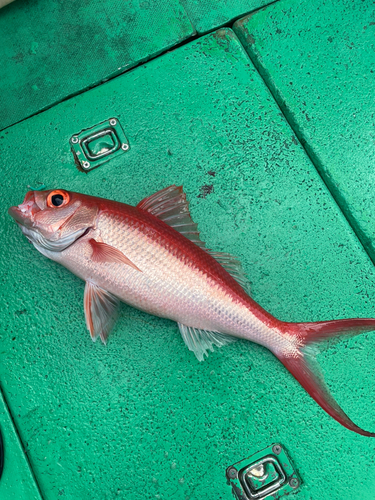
(53, 220)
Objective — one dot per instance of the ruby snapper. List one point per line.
(151, 257)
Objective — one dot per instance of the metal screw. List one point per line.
(74, 139)
(232, 473)
(112, 122)
(125, 147)
(294, 483)
(85, 164)
(276, 449)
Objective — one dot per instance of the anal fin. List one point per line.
(201, 341)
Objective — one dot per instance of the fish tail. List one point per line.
(300, 360)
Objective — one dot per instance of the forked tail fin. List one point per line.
(303, 366)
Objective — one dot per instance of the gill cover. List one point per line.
(57, 219)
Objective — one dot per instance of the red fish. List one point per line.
(151, 257)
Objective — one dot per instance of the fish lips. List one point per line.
(24, 213)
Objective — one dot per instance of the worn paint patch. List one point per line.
(52, 49)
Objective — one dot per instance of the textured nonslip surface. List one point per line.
(51, 49)
(17, 482)
(141, 417)
(319, 60)
(207, 15)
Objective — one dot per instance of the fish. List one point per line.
(151, 256)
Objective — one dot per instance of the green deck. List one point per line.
(17, 481)
(52, 49)
(141, 418)
(318, 59)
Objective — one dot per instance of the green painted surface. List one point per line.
(51, 49)
(17, 482)
(318, 58)
(206, 15)
(141, 417)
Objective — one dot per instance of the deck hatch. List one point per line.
(103, 142)
(265, 475)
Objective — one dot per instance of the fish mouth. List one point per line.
(42, 244)
(24, 213)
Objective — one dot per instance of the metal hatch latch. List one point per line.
(265, 475)
(99, 144)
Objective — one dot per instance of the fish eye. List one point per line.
(57, 198)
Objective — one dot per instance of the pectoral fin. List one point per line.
(100, 310)
(101, 252)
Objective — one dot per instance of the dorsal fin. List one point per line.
(170, 206)
(233, 266)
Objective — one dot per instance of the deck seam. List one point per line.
(335, 195)
(147, 59)
(16, 430)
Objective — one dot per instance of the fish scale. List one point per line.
(170, 285)
(151, 257)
